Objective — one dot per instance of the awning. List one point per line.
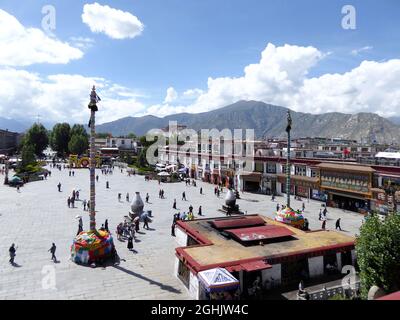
(217, 280)
(255, 266)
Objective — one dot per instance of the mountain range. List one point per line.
(268, 121)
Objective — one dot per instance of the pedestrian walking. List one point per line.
(183, 196)
(146, 223)
(69, 202)
(200, 213)
(97, 178)
(201, 190)
(12, 251)
(59, 187)
(338, 224)
(84, 205)
(323, 225)
(130, 243)
(52, 250)
(106, 225)
(174, 205)
(173, 229)
(73, 202)
(147, 197)
(191, 209)
(107, 185)
(80, 226)
(303, 207)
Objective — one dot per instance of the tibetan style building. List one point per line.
(253, 246)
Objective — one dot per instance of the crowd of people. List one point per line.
(128, 230)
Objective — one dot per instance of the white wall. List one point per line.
(339, 261)
(181, 237)
(194, 286)
(316, 266)
(353, 257)
(176, 266)
(278, 188)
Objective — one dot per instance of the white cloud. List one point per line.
(357, 52)
(193, 93)
(171, 96)
(61, 97)
(116, 24)
(82, 42)
(281, 78)
(21, 46)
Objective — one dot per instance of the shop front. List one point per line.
(348, 187)
(250, 182)
(268, 183)
(301, 186)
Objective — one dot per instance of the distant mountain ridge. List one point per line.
(268, 121)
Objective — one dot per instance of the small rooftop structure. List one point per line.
(219, 244)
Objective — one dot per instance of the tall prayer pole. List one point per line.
(94, 98)
(288, 129)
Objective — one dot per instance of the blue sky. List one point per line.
(184, 42)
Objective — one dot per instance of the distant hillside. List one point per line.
(268, 121)
(13, 125)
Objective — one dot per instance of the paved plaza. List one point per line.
(38, 215)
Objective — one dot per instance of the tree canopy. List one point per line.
(378, 254)
(60, 137)
(37, 137)
(78, 144)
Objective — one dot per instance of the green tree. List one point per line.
(78, 129)
(38, 138)
(141, 160)
(132, 136)
(78, 144)
(378, 254)
(103, 135)
(27, 156)
(60, 137)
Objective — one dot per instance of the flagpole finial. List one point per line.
(94, 98)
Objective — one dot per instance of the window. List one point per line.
(300, 171)
(259, 167)
(271, 167)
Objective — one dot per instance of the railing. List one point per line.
(349, 290)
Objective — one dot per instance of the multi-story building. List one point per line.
(9, 141)
(341, 183)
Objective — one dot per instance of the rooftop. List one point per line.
(218, 249)
(346, 167)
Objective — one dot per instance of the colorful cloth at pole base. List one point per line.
(92, 246)
(290, 217)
